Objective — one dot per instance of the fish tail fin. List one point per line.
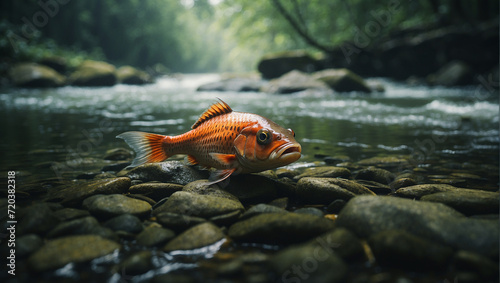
(148, 147)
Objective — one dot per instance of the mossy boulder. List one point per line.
(277, 64)
(35, 75)
(342, 80)
(94, 73)
(132, 76)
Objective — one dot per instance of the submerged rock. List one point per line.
(156, 191)
(279, 228)
(325, 172)
(402, 249)
(327, 190)
(341, 241)
(294, 81)
(107, 206)
(199, 205)
(74, 195)
(138, 263)
(196, 237)
(73, 249)
(167, 172)
(125, 222)
(38, 219)
(369, 215)
(155, 236)
(94, 73)
(468, 202)
(34, 75)
(178, 222)
(376, 174)
(260, 209)
(310, 263)
(81, 226)
(342, 80)
(27, 244)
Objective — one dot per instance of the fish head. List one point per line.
(265, 146)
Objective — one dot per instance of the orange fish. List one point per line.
(229, 141)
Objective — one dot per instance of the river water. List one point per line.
(420, 123)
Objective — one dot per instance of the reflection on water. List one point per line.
(460, 124)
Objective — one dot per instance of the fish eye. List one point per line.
(264, 137)
(293, 133)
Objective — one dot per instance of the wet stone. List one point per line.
(377, 188)
(107, 206)
(336, 206)
(80, 226)
(402, 249)
(468, 202)
(325, 172)
(27, 244)
(308, 262)
(178, 222)
(384, 162)
(280, 202)
(418, 191)
(116, 154)
(154, 236)
(117, 167)
(283, 172)
(252, 188)
(198, 205)
(368, 215)
(469, 261)
(326, 190)
(74, 195)
(279, 228)
(37, 219)
(343, 242)
(59, 252)
(166, 172)
(260, 209)
(156, 191)
(309, 210)
(376, 174)
(125, 222)
(201, 187)
(401, 183)
(137, 263)
(196, 237)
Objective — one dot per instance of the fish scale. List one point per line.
(229, 141)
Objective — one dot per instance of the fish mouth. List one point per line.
(288, 153)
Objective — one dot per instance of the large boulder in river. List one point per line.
(94, 73)
(295, 81)
(275, 65)
(132, 76)
(452, 74)
(35, 75)
(342, 80)
(233, 84)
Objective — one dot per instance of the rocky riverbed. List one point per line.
(380, 219)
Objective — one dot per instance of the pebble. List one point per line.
(201, 187)
(260, 209)
(116, 154)
(336, 206)
(74, 195)
(378, 175)
(107, 206)
(69, 213)
(325, 190)
(137, 263)
(279, 228)
(376, 188)
(401, 183)
(485, 268)
(73, 249)
(37, 219)
(399, 248)
(468, 202)
(125, 222)
(369, 215)
(166, 172)
(154, 236)
(310, 263)
(280, 202)
(253, 188)
(341, 241)
(27, 244)
(154, 190)
(199, 236)
(192, 204)
(418, 191)
(310, 211)
(325, 172)
(81, 226)
(178, 222)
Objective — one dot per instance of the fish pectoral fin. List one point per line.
(226, 159)
(220, 175)
(191, 160)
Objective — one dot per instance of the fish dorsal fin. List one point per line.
(216, 109)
